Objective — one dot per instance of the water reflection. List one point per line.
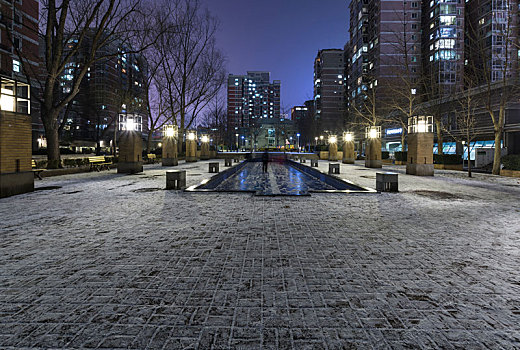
(280, 179)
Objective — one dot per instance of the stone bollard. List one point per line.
(302, 160)
(387, 182)
(334, 168)
(236, 160)
(176, 179)
(213, 167)
(314, 163)
(227, 162)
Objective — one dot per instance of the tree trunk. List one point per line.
(498, 152)
(469, 159)
(149, 141)
(403, 137)
(50, 124)
(440, 146)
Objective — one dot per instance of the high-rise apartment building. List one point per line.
(384, 49)
(112, 92)
(329, 69)
(252, 97)
(443, 47)
(435, 49)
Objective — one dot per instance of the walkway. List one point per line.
(110, 261)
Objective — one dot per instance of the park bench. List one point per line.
(151, 158)
(99, 162)
(37, 172)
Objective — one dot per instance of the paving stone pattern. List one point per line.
(112, 261)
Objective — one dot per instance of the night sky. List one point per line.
(280, 36)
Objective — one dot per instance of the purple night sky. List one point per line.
(280, 36)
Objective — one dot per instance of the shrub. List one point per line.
(81, 161)
(447, 159)
(385, 155)
(69, 163)
(511, 162)
(401, 156)
(41, 164)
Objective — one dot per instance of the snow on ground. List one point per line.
(115, 261)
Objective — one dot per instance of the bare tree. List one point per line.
(193, 67)
(72, 32)
(215, 118)
(404, 95)
(465, 106)
(492, 45)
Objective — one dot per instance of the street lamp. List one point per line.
(333, 139)
(192, 136)
(373, 132)
(349, 155)
(170, 131)
(204, 139)
(298, 135)
(420, 124)
(236, 135)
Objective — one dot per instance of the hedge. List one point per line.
(447, 159)
(401, 156)
(385, 155)
(511, 162)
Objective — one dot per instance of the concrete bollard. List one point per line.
(314, 163)
(213, 167)
(176, 179)
(227, 162)
(387, 182)
(334, 168)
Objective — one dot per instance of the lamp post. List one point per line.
(420, 146)
(204, 147)
(333, 147)
(170, 155)
(373, 147)
(298, 135)
(191, 146)
(349, 155)
(236, 135)
(130, 148)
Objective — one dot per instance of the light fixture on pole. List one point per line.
(420, 124)
(373, 132)
(348, 137)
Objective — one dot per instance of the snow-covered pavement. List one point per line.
(101, 260)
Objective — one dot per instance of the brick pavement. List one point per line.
(110, 261)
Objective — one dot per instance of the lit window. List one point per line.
(16, 66)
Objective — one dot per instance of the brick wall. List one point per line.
(15, 143)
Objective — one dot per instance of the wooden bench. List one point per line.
(151, 158)
(37, 172)
(99, 162)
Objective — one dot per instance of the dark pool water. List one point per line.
(280, 179)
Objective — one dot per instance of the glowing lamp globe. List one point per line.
(333, 139)
(205, 138)
(191, 136)
(348, 137)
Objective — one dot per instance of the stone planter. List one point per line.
(400, 162)
(324, 155)
(448, 166)
(373, 154)
(510, 173)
